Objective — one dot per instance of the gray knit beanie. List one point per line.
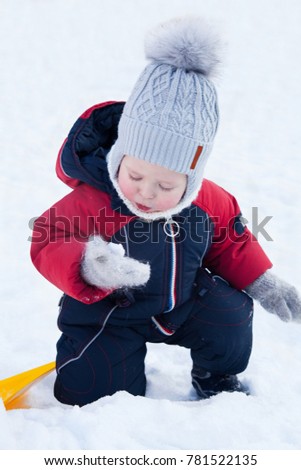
(171, 116)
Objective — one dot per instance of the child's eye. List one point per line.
(164, 188)
(135, 178)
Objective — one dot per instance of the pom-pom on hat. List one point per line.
(171, 116)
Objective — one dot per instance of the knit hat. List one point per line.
(171, 116)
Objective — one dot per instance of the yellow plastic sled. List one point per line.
(13, 390)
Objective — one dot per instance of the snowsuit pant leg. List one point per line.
(218, 331)
(93, 362)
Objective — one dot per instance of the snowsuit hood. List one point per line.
(82, 157)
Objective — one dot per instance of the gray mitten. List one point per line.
(276, 296)
(105, 265)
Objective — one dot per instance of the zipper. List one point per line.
(172, 229)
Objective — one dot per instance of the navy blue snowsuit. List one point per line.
(200, 262)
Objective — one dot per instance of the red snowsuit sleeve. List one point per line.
(235, 253)
(59, 238)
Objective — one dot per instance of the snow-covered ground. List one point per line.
(57, 59)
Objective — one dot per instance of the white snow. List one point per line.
(57, 59)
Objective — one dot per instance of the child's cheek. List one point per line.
(167, 202)
(126, 187)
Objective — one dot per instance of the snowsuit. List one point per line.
(201, 261)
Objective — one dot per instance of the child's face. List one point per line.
(151, 188)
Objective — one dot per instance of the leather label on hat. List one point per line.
(196, 157)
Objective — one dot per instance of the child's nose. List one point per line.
(147, 191)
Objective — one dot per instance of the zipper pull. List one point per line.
(169, 226)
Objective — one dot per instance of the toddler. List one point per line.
(144, 248)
